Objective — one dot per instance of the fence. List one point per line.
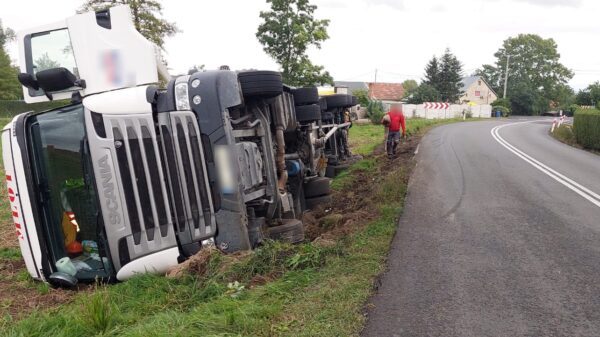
(454, 111)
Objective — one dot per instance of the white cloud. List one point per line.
(567, 3)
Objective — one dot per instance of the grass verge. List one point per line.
(318, 288)
(565, 134)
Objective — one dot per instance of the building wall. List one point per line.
(485, 94)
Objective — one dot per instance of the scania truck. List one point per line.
(131, 178)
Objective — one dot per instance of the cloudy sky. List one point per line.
(396, 37)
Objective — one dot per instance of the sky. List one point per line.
(393, 38)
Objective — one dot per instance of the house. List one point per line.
(476, 90)
(352, 86)
(388, 93)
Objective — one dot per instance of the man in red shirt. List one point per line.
(394, 120)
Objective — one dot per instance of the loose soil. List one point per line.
(356, 203)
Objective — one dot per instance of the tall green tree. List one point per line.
(146, 17)
(534, 64)
(450, 77)
(432, 72)
(286, 32)
(10, 88)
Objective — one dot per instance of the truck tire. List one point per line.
(337, 101)
(292, 231)
(260, 83)
(305, 96)
(312, 203)
(308, 113)
(354, 100)
(317, 187)
(323, 103)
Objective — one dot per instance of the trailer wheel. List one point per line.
(261, 83)
(304, 96)
(312, 203)
(333, 170)
(317, 187)
(292, 231)
(354, 100)
(337, 101)
(308, 113)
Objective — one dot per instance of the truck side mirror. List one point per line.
(56, 79)
(28, 81)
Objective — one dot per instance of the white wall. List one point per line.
(454, 111)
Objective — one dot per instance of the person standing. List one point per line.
(394, 121)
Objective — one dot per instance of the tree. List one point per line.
(409, 87)
(535, 65)
(362, 95)
(432, 72)
(287, 31)
(589, 95)
(450, 76)
(424, 93)
(10, 88)
(146, 17)
(45, 62)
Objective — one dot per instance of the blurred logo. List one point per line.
(112, 66)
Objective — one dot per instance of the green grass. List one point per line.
(311, 289)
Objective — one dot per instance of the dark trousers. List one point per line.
(393, 140)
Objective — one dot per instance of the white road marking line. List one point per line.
(586, 193)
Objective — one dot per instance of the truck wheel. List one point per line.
(317, 187)
(337, 101)
(304, 96)
(260, 83)
(308, 113)
(323, 103)
(354, 100)
(291, 231)
(312, 203)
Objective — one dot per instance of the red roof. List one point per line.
(386, 91)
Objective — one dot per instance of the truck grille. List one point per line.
(162, 178)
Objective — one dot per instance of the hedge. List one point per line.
(587, 128)
(13, 108)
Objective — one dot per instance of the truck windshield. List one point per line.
(66, 191)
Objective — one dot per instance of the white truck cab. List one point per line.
(115, 183)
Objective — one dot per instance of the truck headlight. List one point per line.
(182, 98)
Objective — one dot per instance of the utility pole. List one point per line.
(375, 76)
(506, 76)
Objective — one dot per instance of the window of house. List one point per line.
(477, 93)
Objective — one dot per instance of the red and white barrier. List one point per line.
(436, 105)
(553, 125)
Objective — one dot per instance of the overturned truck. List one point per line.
(131, 178)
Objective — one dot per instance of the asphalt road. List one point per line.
(491, 245)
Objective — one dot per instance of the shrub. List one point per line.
(505, 102)
(375, 111)
(587, 128)
(504, 110)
